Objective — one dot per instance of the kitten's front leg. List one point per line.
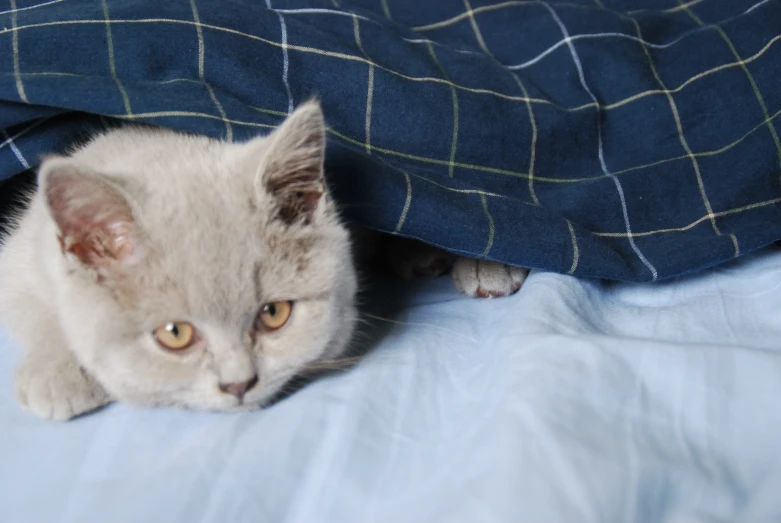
(50, 382)
(57, 387)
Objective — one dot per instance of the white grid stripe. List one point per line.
(569, 41)
(19, 9)
(10, 142)
(602, 163)
(470, 13)
(516, 3)
(15, 47)
(314, 11)
(343, 56)
(285, 57)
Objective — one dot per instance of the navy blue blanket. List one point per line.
(621, 139)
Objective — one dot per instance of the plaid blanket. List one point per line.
(621, 139)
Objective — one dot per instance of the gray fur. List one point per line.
(182, 228)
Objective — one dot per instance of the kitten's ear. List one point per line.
(95, 220)
(293, 168)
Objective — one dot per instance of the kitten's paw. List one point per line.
(57, 389)
(487, 279)
(410, 258)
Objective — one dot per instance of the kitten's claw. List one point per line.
(487, 279)
(57, 389)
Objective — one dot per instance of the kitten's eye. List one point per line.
(175, 336)
(273, 315)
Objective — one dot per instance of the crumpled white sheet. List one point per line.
(571, 401)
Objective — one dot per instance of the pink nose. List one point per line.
(239, 389)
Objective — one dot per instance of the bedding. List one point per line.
(616, 139)
(620, 139)
(573, 400)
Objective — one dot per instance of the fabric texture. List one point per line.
(620, 139)
(571, 401)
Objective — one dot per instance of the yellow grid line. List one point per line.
(432, 182)
(517, 3)
(369, 102)
(370, 86)
(163, 114)
(483, 194)
(693, 224)
(454, 94)
(713, 152)
(462, 191)
(484, 47)
(481, 42)
(15, 46)
(407, 203)
(735, 243)
(269, 111)
(742, 63)
(201, 75)
(533, 152)
(491, 229)
(303, 49)
(699, 76)
(476, 29)
(681, 137)
(111, 61)
(600, 145)
(424, 159)
(386, 9)
(436, 161)
(750, 77)
(482, 9)
(669, 10)
(349, 57)
(575, 250)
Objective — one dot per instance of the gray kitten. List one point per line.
(165, 269)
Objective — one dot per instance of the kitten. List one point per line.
(160, 268)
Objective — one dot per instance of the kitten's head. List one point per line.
(196, 272)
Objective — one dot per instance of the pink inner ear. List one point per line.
(95, 221)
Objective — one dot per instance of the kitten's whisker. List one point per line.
(334, 364)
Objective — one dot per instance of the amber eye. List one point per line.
(273, 315)
(175, 336)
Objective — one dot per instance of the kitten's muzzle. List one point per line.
(239, 389)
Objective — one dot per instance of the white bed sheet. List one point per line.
(571, 401)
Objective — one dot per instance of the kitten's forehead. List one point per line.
(178, 182)
(215, 248)
(165, 168)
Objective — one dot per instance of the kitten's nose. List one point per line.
(239, 389)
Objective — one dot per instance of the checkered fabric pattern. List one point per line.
(621, 139)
